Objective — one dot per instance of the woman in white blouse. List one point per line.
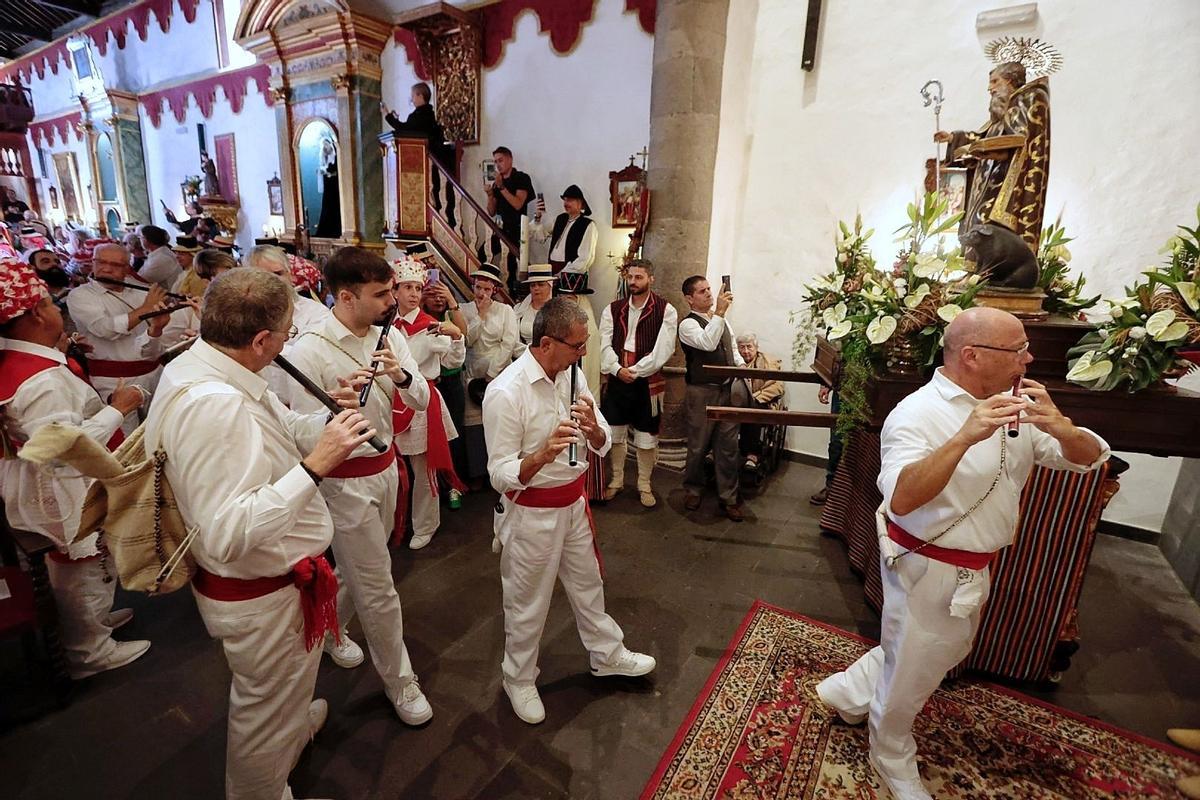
(540, 280)
(492, 343)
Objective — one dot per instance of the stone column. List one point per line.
(685, 108)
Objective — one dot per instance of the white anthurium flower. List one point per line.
(1176, 330)
(914, 299)
(839, 330)
(949, 312)
(1190, 294)
(1061, 253)
(1137, 332)
(881, 329)
(928, 265)
(1159, 322)
(1087, 369)
(832, 316)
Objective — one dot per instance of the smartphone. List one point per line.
(435, 275)
(726, 286)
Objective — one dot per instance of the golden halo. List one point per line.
(1039, 58)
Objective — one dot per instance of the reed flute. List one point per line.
(322, 396)
(573, 447)
(115, 282)
(383, 334)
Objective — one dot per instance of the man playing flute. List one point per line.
(363, 494)
(245, 471)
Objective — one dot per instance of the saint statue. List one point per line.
(212, 186)
(1008, 159)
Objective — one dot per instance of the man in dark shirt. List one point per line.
(423, 122)
(508, 195)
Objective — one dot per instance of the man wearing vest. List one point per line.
(423, 435)
(124, 347)
(707, 340)
(637, 337)
(235, 464)
(543, 523)
(365, 495)
(38, 386)
(573, 236)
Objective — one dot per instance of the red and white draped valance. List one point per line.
(115, 25)
(235, 85)
(45, 131)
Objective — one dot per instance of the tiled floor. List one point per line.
(678, 585)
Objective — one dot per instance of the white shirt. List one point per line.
(434, 351)
(161, 267)
(103, 317)
(521, 408)
(707, 338)
(526, 314)
(491, 341)
(233, 461)
(656, 359)
(927, 419)
(587, 245)
(324, 362)
(48, 500)
(307, 315)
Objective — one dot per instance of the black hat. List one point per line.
(572, 283)
(573, 192)
(490, 271)
(186, 244)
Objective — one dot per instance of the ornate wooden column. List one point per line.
(325, 69)
(450, 43)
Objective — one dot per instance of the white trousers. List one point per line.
(641, 439)
(363, 512)
(541, 544)
(426, 508)
(84, 601)
(919, 643)
(273, 680)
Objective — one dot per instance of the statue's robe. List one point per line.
(1009, 191)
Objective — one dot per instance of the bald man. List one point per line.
(951, 479)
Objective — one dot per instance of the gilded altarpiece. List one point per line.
(451, 46)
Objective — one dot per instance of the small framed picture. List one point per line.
(952, 185)
(275, 196)
(626, 190)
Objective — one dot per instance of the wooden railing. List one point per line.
(768, 416)
(460, 225)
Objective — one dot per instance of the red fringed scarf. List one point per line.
(318, 599)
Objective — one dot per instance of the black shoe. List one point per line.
(691, 501)
(820, 497)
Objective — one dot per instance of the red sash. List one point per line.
(312, 576)
(366, 466)
(402, 415)
(108, 368)
(17, 367)
(959, 558)
(561, 497)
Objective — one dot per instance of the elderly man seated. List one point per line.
(764, 393)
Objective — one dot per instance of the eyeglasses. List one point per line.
(291, 332)
(578, 348)
(1022, 350)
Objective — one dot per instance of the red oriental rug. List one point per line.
(759, 731)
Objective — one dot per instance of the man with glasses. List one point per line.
(542, 520)
(951, 478)
(125, 348)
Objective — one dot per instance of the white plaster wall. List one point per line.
(567, 119)
(800, 150)
(172, 153)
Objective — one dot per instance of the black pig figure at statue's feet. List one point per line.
(1001, 256)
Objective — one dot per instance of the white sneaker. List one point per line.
(347, 654)
(413, 708)
(526, 702)
(901, 788)
(116, 619)
(628, 664)
(417, 542)
(848, 717)
(123, 653)
(318, 712)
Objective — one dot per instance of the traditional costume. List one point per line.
(423, 435)
(572, 239)
(492, 342)
(38, 386)
(526, 313)
(367, 501)
(640, 338)
(262, 585)
(933, 594)
(545, 528)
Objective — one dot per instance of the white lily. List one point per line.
(881, 329)
(839, 330)
(949, 312)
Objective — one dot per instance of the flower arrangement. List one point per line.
(887, 319)
(1153, 331)
(1062, 295)
(191, 184)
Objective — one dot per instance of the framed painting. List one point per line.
(68, 181)
(226, 158)
(275, 196)
(626, 191)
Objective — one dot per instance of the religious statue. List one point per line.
(1008, 161)
(212, 186)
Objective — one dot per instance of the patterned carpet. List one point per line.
(758, 731)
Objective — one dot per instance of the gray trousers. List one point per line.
(705, 434)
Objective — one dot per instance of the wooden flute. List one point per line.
(322, 396)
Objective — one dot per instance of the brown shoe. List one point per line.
(734, 511)
(820, 497)
(691, 501)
